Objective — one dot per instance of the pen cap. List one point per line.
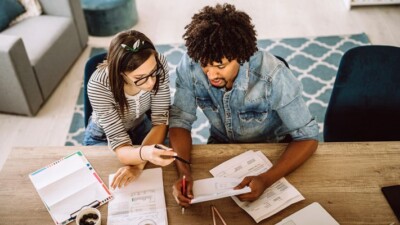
(88, 214)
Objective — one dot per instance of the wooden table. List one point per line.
(345, 178)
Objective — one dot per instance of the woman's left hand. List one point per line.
(125, 175)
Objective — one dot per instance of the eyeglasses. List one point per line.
(143, 80)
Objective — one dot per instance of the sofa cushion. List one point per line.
(32, 7)
(39, 34)
(9, 10)
(48, 40)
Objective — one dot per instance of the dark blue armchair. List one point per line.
(90, 67)
(365, 101)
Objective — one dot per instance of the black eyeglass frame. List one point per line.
(156, 72)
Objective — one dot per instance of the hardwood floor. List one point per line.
(164, 21)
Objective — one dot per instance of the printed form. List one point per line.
(141, 202)
(216, 188)
(275, 198)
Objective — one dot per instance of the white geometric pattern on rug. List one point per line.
(314, 61)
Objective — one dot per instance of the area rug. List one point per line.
(313, 60)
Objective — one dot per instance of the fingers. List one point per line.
(245, 182)
(248, 197)
(155, 156)
(189, 189)
(179, 197)
(128, 181)
(124, 176)
(166, 153)
(257, 189)
(165, 147)
(123, 180)
(164, 157)
(117, 178)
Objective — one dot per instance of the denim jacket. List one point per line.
(264, 105)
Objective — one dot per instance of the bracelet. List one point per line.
(140, 153)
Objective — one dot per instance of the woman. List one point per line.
(130, 86)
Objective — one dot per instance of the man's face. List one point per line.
(222, 74)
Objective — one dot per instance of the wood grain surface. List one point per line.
(345, 178)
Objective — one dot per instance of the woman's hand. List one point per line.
(161, 156)
(125, 175)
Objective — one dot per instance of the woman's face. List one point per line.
(144, 77)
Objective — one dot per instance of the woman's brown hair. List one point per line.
(121, 60)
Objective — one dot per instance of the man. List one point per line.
(247, 96)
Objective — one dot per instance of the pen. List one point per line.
(182, 160)
(176, 157)
(183, 190)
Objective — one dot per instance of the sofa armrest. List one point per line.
(68, 8)
(19, 90)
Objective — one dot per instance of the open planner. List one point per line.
(68, 185)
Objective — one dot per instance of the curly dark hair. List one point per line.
(218, 32)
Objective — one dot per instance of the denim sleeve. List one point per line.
(183, 110)
(288, 102)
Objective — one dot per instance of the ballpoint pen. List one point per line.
(176, 157)
(183, 191)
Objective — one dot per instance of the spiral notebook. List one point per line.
(68, 185)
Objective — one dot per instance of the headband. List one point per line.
(137, 46)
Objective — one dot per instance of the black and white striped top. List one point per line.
(106, 111)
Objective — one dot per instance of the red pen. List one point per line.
(183, 190)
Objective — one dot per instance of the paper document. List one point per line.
(275, 198)
(312, 214)
(67, 185)
(141, 202)
(216, 188)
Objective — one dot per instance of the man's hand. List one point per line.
(182, 200)
(256, 185)
(126, 175)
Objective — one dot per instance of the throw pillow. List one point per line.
(9, 10)
(32, 7)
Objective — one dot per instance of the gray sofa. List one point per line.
(36, 53)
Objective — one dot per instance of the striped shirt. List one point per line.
(107, 113)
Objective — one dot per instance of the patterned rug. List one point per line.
(314, 61)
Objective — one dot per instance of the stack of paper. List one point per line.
(275, 198)
(140, 202)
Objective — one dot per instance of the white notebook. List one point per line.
(312, 214)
